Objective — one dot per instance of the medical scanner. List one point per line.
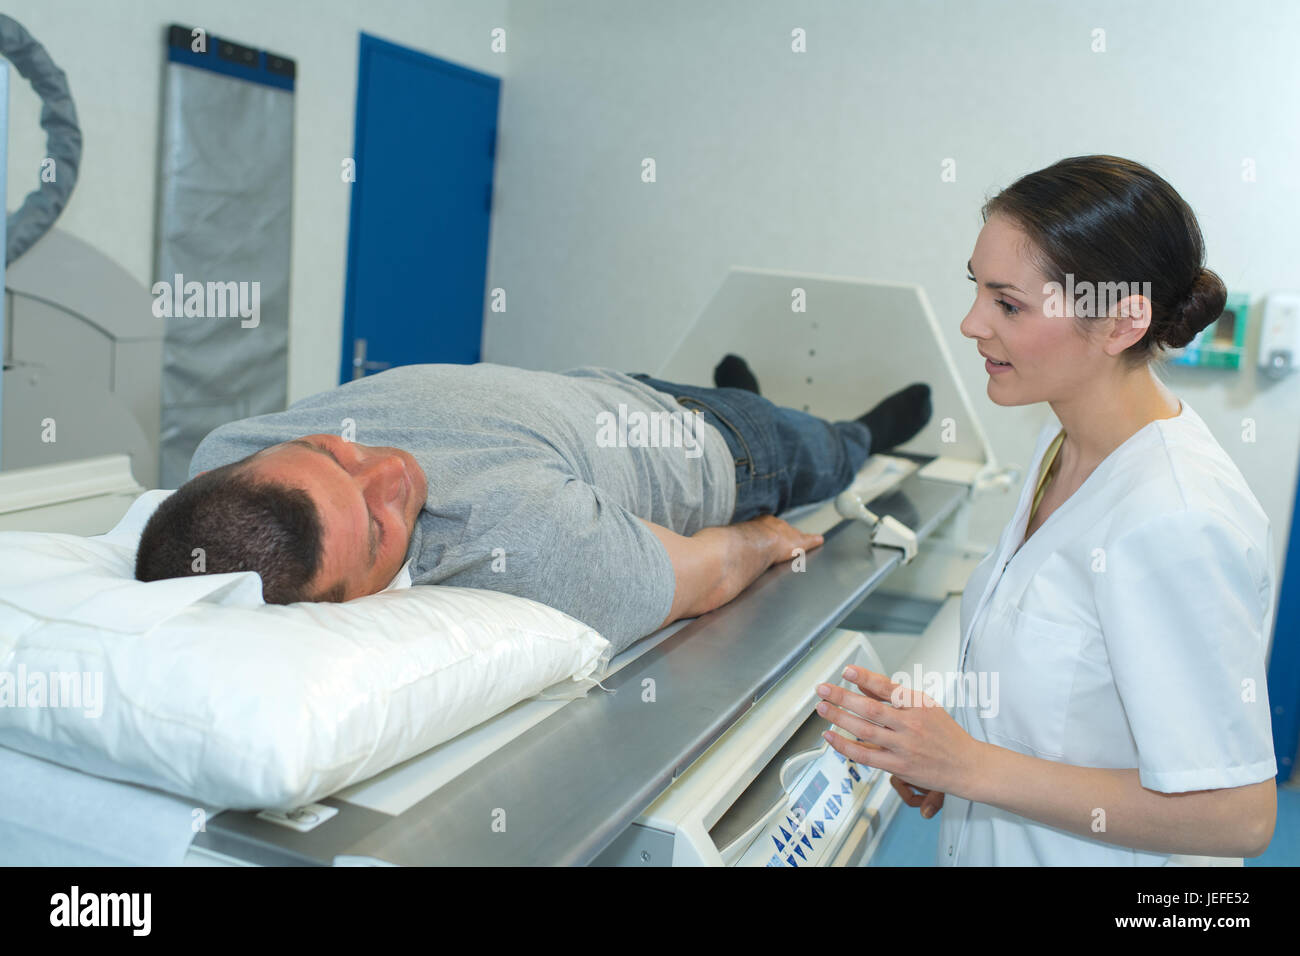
(82, 361)
(700, 745)
(82, 349)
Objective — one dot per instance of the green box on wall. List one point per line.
(1220, 343)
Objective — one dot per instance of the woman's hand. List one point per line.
(930, 801)
(900, 731)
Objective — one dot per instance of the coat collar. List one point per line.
(1013, 570)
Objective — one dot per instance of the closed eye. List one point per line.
(374, 522)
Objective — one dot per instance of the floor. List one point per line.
(912, 841)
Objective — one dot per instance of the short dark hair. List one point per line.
(1108, 219)
(227, 519)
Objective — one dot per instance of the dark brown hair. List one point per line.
(1103, 219)
(241, 524)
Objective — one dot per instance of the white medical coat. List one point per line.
(1128, 631)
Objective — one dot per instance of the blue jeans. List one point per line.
(784, 458)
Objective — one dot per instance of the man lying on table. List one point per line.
(625, 501)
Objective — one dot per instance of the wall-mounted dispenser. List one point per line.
(1279, 338)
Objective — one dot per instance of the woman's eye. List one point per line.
(1007, 307)
(971, 277)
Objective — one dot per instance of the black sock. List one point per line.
(898, 418)
(732, 372)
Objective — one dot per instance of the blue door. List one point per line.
(1284, 659)
(421, 202)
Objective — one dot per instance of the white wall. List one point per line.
(829, 162)
(824, 162)
(113, 53)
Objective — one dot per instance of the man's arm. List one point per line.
(713, 565)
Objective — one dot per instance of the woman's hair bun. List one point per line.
(1202, 304)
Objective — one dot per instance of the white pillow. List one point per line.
(208, 692)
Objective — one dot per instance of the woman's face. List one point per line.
(1049, 360)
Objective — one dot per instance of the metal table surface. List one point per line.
(564, 789)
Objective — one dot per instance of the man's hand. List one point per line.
(787, 540)
(713, 565)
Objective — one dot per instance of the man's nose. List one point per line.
(383, 472)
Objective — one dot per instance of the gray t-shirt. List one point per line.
(536, 479)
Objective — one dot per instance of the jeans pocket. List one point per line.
(739, 448)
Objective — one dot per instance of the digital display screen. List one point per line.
(809, 796)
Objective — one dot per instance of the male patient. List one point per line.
(622, 500)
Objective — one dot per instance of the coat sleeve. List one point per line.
(1183, 603)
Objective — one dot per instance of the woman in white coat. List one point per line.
(1126, 609)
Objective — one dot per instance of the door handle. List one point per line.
(359, 364)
